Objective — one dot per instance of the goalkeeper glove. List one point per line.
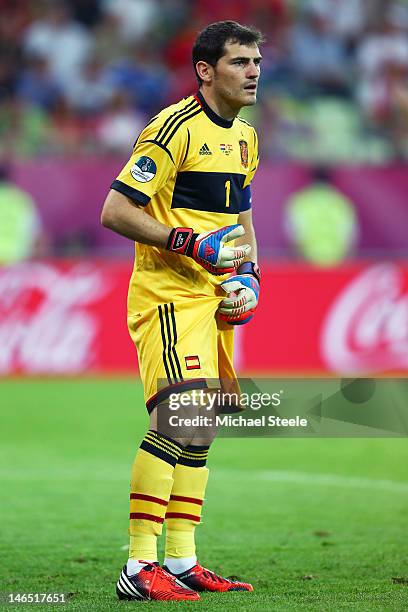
(208, 249)
(239, 308)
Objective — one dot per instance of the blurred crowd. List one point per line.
(84, 76)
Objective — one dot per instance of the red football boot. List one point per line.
(152, 582)
(199, 578)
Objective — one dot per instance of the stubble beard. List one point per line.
(235, 100)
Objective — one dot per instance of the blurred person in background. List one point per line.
(108, 46)
(63, 42)
(400, 102)
(36, 86)
(141, 75)
(91, 91)
(382, 57)
(347, 19)
(318, 57)
(137, 18)
(117, 123)
(87, 12)
(13, 19)
(25, 130)
(207, 11)
(321, 221)
(21, 234)
(8, 78)
(67, 130)
(176, 55)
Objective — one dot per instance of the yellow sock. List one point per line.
(186, 500)
(151, 484)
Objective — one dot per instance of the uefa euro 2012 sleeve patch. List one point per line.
(144, 169)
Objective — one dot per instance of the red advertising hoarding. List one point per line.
(348, 320)
(69, 318)
(64, 318)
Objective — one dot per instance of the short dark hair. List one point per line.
(210, 43)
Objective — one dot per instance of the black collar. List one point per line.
(225, 123)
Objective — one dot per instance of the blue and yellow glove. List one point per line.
(208, 249)
(243, 289)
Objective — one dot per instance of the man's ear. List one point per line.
(205, 71)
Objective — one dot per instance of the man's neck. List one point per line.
(219, 106)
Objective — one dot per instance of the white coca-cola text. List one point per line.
(366, 328)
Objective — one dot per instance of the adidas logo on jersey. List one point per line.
(205, 150)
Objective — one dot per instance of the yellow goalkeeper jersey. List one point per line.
(189, 168)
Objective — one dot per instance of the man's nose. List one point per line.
(253, 71)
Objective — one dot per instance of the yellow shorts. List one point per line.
(182, 346)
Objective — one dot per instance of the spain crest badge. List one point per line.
(243, 146)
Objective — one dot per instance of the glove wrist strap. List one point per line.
(181, 240)
(249, 267)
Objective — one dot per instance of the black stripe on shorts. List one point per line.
(168, 332)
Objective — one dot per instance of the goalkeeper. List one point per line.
(184, 199)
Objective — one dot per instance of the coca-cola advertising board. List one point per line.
(347, 320)
(69, 318)
(64, 318)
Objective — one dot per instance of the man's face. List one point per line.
(236, 74)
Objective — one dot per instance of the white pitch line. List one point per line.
(320, 480)
(279, 476)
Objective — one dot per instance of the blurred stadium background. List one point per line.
(78, 81)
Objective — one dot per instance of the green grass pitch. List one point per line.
(314, 524)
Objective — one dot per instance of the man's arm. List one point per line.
(209, 250)
(245, 219)
(128, 219)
